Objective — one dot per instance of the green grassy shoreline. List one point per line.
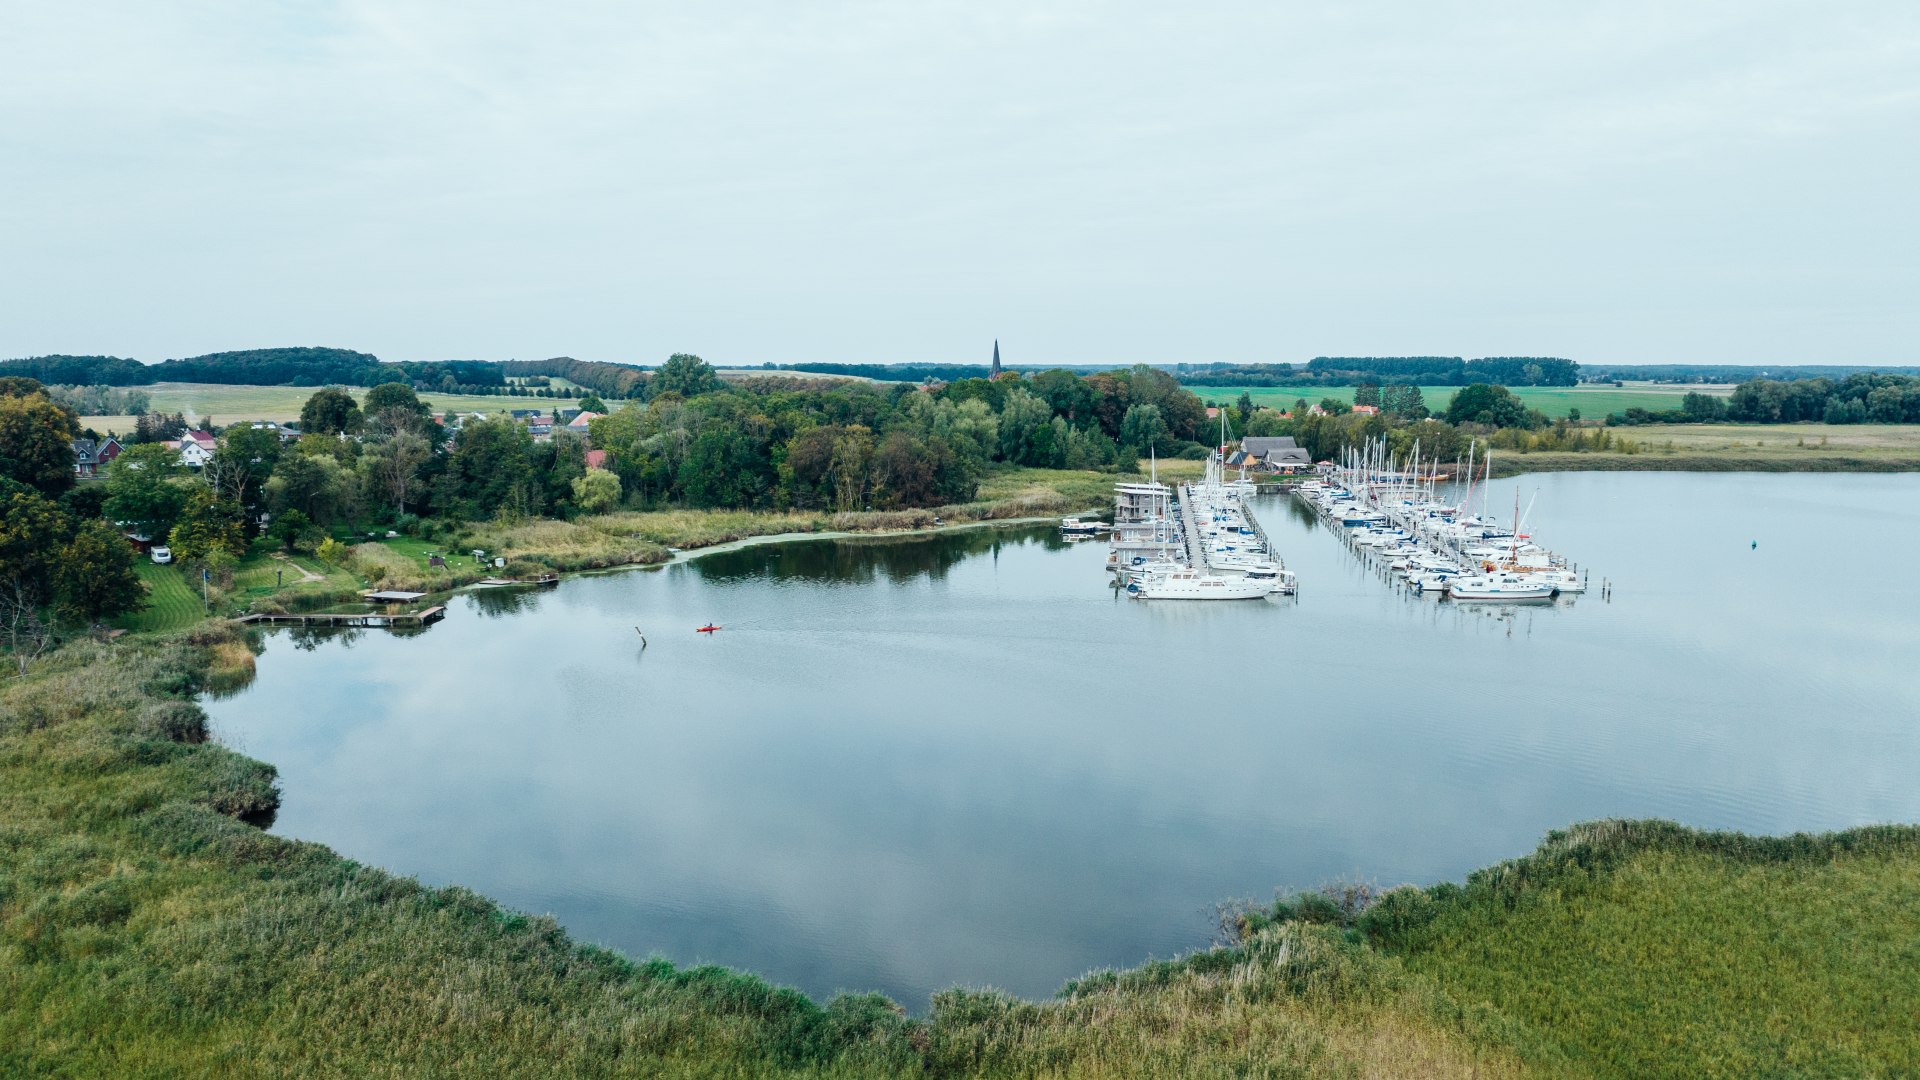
(148, 930)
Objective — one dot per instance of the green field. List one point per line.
(1729, 448)
(220, 404)
(1593, 402)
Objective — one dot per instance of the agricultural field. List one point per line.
(1888, 439)
(1593, 402)
(1744, 447)
(221, 404)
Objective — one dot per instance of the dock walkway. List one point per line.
(423, 617)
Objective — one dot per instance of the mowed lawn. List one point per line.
(171, 601)
(1593, 402)
(173, 591)
(219, 404)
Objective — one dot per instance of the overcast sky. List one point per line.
(1627, 182)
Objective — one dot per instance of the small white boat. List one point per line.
(1073, 526)
(1282, 581)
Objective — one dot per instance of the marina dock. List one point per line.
(1389, 513)
(1201, 542)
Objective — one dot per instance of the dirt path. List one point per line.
(306, 575)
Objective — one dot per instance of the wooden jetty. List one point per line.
(383, 619)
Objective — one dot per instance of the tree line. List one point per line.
(61, 563)
(1732, 373)
(304, 366)
(1861, 398)
(1415, 370)
(893, 372)
(696, 441)
(848, 445)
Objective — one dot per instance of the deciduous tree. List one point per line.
(597, 492)
(330, 411)
(95, 576)
(143, 493)
(209, 524)
(36, 442)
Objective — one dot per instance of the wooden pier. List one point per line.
(381, 619)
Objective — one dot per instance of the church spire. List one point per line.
(994, 372)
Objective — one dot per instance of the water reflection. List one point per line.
(310, 636)
(862, 560)
(904, 765)
(505, 600)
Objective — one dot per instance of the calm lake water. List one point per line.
(963, 760)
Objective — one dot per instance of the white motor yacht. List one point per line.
(1186, 583)
(1499, 587)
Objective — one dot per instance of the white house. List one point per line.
(196, 448)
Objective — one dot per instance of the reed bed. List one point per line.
(147, 929)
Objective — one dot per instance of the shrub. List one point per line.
(335, 552)
(237, 786)
(174, 721)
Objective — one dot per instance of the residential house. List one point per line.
(86, 457)
(196, 448)
(107, 451)
(1367, 410)
(286, 432)
(596, 459)
(578, 425)
(1279, 453)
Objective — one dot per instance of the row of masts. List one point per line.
(1390, 509)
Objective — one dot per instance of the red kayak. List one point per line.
(706, 629)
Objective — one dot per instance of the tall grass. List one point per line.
(1644, 949)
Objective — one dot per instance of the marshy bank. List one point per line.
(146, 931)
